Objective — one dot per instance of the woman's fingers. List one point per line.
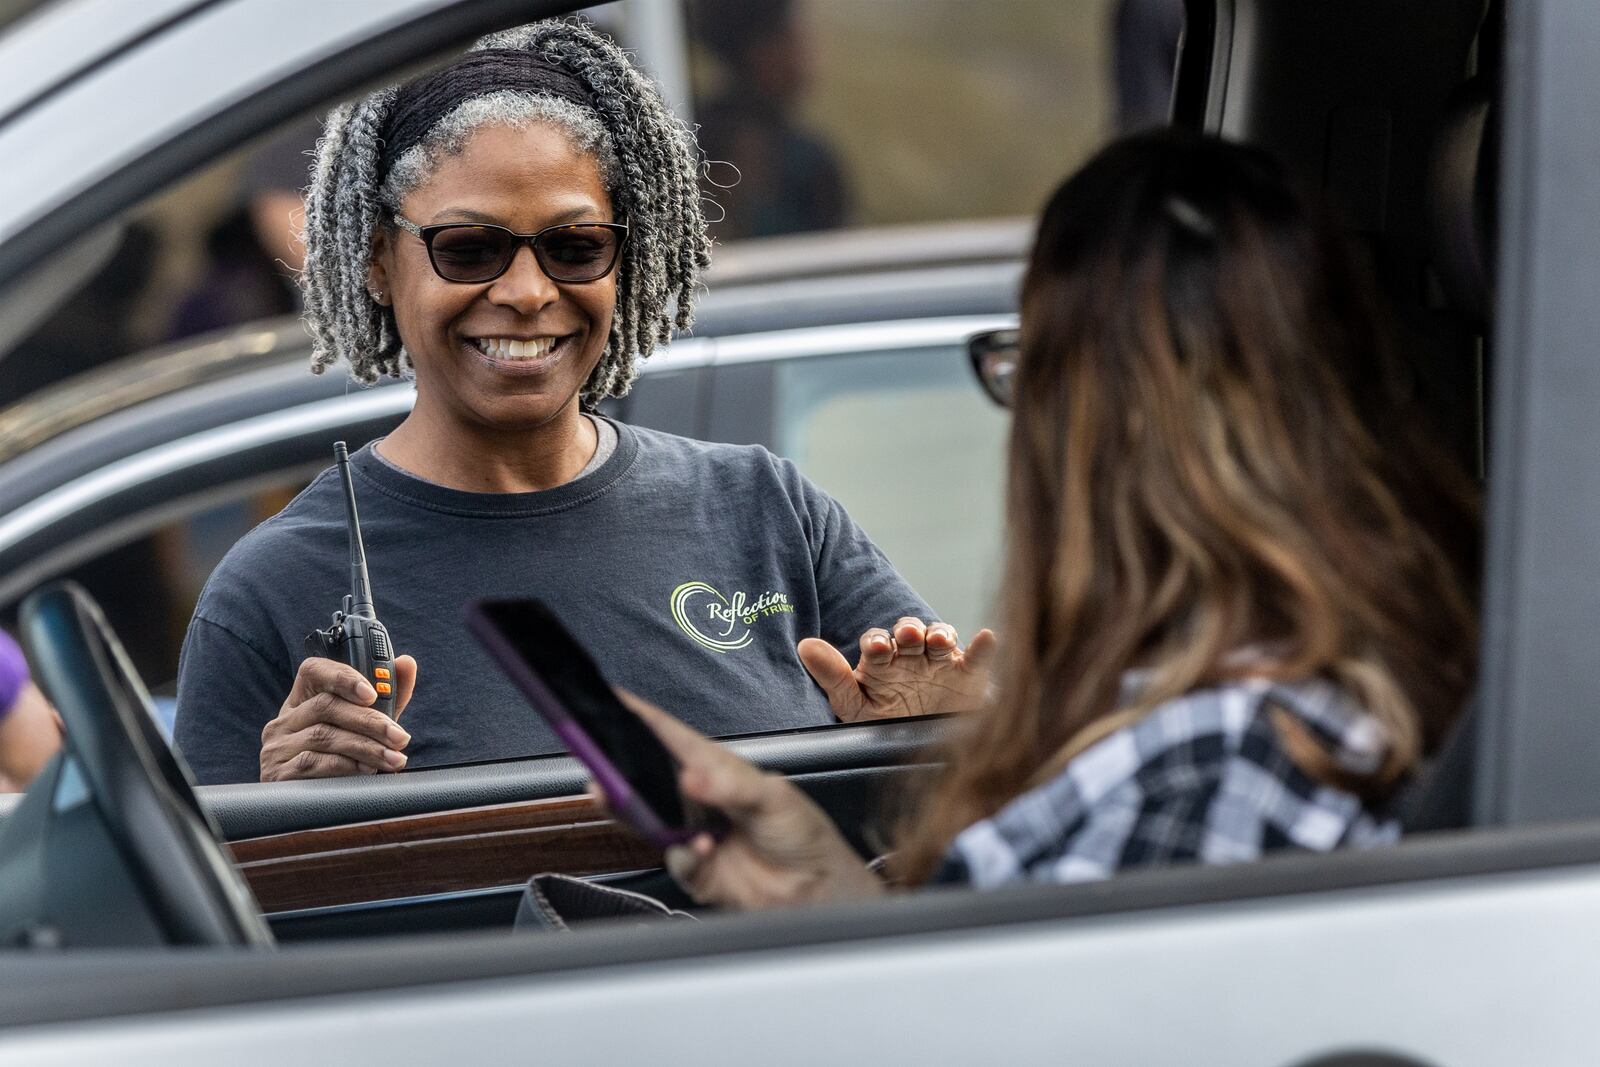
(331, 740)
(709, 774)
(981, 651)
(738, 789)
(684, 866)
(877, 647)
(692, 749)
(910, 636)
(942, 641)
(681, 740)
(405, 679)
(322, 750)
(832, 672)
(330, 709)
(327, 726)
(308, 764)
(319, 675)
(700, 867)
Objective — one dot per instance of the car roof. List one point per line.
(47, 45)
(138, 116)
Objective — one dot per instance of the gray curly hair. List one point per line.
(648, 161)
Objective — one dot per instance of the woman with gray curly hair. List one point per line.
(703, 576)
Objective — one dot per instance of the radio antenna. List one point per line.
(360, 585)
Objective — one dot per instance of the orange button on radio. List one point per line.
(383, 688)
(380, 672)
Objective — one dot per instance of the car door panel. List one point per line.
(487, 872)
(1407, 943)
(455, 832)
(260, 809)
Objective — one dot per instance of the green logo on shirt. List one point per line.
(719, 623)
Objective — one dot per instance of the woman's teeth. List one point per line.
(510, 348)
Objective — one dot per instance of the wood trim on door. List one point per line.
(444, 852)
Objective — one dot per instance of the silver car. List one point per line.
(1470, 947)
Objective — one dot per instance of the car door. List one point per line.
(1469, 950)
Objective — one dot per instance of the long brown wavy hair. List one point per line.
(1216, 469)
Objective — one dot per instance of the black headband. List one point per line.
(423, 102)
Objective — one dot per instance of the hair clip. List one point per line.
(1190, 218)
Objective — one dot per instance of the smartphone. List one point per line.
(565, 686)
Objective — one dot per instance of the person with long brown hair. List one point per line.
(1239, 603)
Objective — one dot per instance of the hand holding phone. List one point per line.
(780, 849)
(636, 772)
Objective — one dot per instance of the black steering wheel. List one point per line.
(144, 792)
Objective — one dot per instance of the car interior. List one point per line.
(1389, 109)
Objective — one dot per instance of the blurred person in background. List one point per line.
(253, 253)
(92, 328)
(789, 178)
(1240, 598)
(29, 731)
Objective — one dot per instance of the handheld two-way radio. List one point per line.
(356, 636)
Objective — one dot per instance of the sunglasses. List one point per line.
(470, 252)
(994, 357)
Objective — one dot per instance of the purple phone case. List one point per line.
(624, 802)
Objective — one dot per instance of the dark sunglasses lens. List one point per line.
(994, 358)
(578, 253)
(471, 253)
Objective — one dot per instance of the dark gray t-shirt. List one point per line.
(689, 570)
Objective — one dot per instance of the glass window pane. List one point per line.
(916, 454)
(826, 113)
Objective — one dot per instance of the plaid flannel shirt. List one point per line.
(1201, 777)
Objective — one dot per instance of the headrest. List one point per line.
(1461, 202)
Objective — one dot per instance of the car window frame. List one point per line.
(323, 72)
(124, 983)
(1538, 629)
(1540, 743)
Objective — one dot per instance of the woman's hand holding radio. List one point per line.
(328, 729)
(780, 850)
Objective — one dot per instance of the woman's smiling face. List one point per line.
(512, 353)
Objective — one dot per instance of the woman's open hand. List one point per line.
(327, 728)
(918, 670)
(780, 850)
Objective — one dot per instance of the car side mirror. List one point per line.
(994, 355)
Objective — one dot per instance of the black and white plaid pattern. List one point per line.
(1202, 777)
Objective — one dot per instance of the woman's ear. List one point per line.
(378, 286)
